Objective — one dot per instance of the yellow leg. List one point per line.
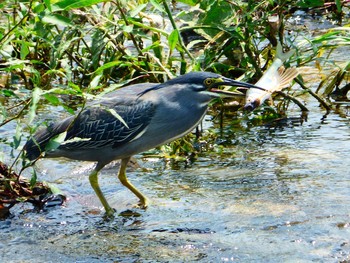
(94, 183)
(124, 180)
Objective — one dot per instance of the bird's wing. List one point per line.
(108, 124)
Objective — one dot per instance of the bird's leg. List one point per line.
(124, 180)
(93, 177)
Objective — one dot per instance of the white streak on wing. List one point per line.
(75, 139)
(139, 135)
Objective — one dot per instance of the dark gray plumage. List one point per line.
(152, 115)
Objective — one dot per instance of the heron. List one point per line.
(129, 121)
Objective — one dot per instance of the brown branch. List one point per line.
(318, 98)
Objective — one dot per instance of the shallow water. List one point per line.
(276, 195)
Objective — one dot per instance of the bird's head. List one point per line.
(209, 83)
(206, 83)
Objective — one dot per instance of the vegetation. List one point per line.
(59, 53)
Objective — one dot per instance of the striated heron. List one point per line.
(131, 120)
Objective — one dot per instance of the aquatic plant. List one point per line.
(62, 53)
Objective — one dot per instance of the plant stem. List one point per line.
(20, 22)
(19, 114)
(297, 102)
(172, 21)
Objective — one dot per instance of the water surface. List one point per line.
(275, 195)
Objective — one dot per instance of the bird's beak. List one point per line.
(234, 83)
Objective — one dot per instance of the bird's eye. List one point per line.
(208, 82)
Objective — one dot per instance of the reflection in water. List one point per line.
(276, 194)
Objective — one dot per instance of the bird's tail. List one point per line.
(33, 149)
(286, 76)
(37, 144)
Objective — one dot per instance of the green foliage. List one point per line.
(70, 4)
(310, 3)
(62, 52)
(33, 179)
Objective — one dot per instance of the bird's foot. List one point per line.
(109, 213)
(142, 204)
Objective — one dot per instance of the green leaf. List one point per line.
(71, 4)
(48, 4)
(173, 39)
(137, 10)
(128, 29)
(339, 5)
(189, 2)
(57, 19)
(154, 45)
(52, 99)
(76, 88)
(106, 66)
(17, 137)
(325, 37)
(54, 189)
(310, 3)
(95, 81)
(157, 5)
(39, 8)
(8, 93)
(24, 50)
(36, 94)
(55, 142)
(61, 91)
(33, 179)
(14, 64)
(217, 14)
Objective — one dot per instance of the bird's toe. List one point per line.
(142, 204)
(110, 213)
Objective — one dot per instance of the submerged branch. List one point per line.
(19, 114)
(318, 98)
(296, 101)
